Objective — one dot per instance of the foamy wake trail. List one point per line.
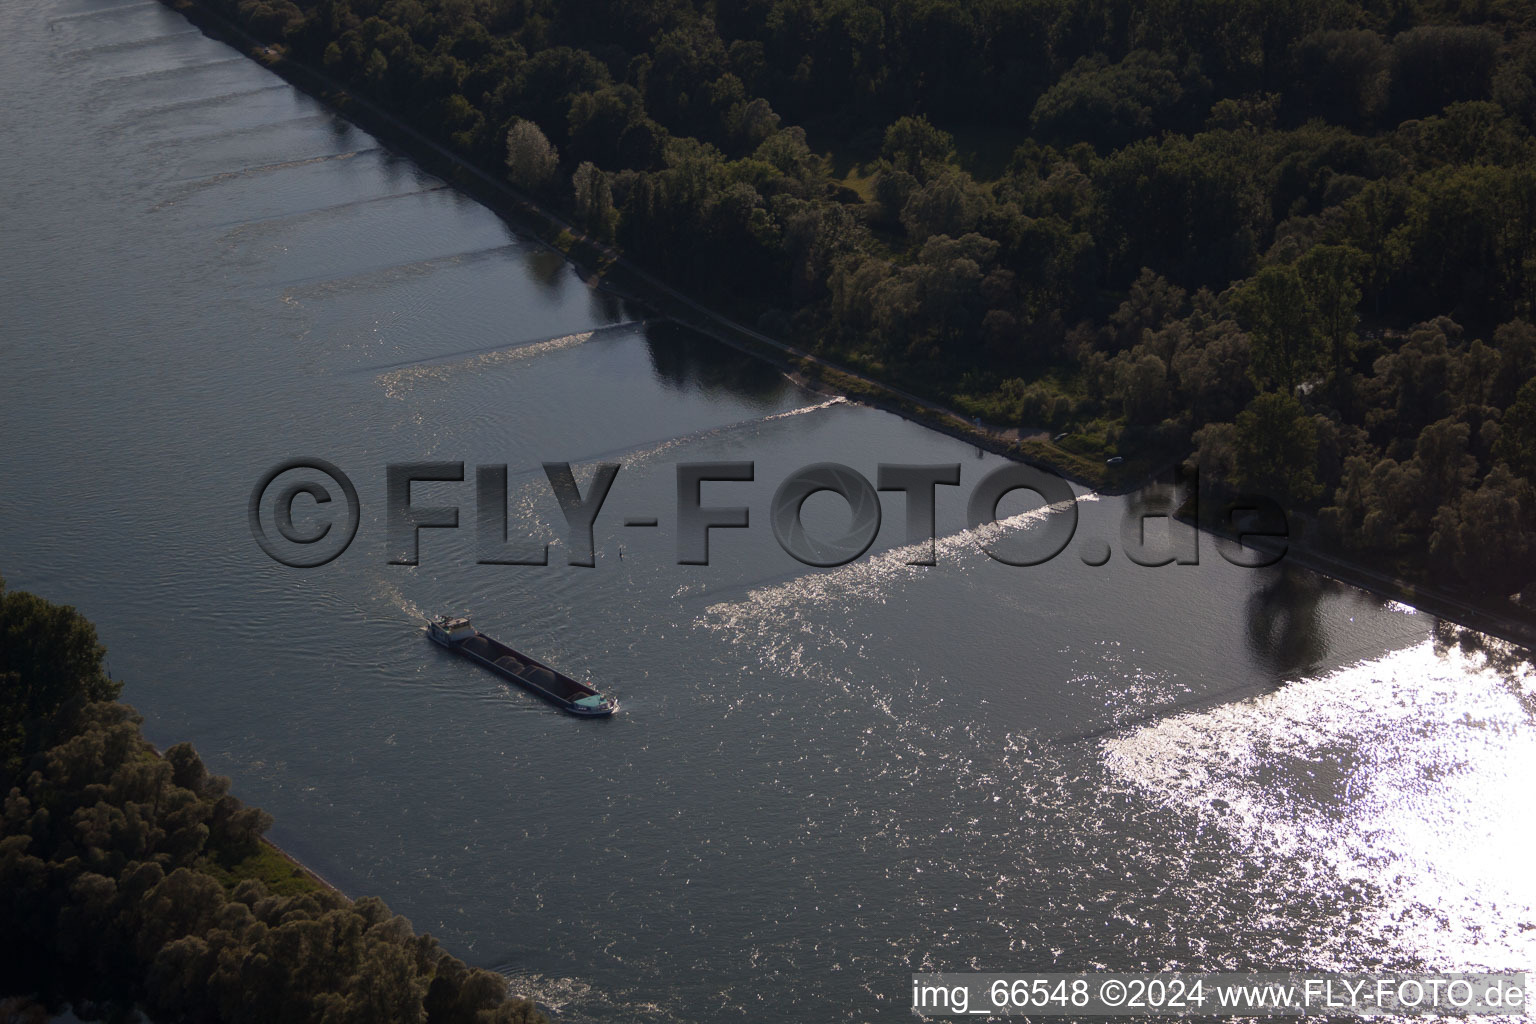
(525, 499)
(98, 49)
(203, 139)
(640, 456)
(120, 81)
(401, 380)
(186, 188)
(385, 278)
(772, 616)
(395, 599)
(829, 403)
(102, 12)
(1409, 776)
(208, 101)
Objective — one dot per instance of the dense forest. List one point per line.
(136, 880)
(1294, 240)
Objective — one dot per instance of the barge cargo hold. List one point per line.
(458, 635)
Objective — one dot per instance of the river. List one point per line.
(821, 780)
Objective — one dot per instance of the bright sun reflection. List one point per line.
(1412, 774)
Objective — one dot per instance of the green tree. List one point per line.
(1215, 454)
(50, 662)
(531, 160)
(1275, 449)
(1150, 304)
(1193, 209)
(912, 145)
(1341, 74)
(1142, 381)
(594, 199)
(949, 204)
(1284, 327)
(1486, 537)
(1441, 457)
(1516, 345)
(1517, 438)
(1433, 65)
(1212, 372)
(1330, 276)
(598, 120)
(1109, 104)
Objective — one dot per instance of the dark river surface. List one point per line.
(821, 779)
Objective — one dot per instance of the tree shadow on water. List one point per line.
(1285, 632)
(686, 360)
(549, 270)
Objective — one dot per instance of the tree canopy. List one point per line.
(961, 196)
(136, 880)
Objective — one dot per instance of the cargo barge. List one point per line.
(458, 635)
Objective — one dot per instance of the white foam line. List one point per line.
(524, 496)
(392, 595)
(397, 382)
(119, 81)
(829, 403)
(208, 101)
(119, 8)
(246, 172)
(454, 358)
(234, 226)
(864, 578)
(640, 456)
(126, 44)
(202, 138)
(320, 287)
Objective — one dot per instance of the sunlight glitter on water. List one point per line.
(775, 609)
(1410, 774)
(398, 381)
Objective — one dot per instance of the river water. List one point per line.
(821, 779)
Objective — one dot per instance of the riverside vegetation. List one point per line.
(136, 880)
(1293, 240)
